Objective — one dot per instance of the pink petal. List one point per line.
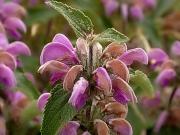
(103, 80)
(18, 48)
(58, 51)
(132, 55)
(42, 101)
(8, 59)
(101, 127)
(60, 38)
(79, 94)
(175, 50)
(70, 128)
(118, 68)
(71, 76)
(121, 126)
(7, 77)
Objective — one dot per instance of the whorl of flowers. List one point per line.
(93, 74)
(11, 23)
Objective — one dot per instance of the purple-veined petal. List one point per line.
(42, 101)
(8, 59)
(71, 76)
(103, 80)
(122, 92)
(124, 11)
(70, 128)
(58, 51)
(3, 41)
(18, 48)
(121, 126)
(60, 38)
(132, 55)
(165, 77)
(7, 77)
(101, 127)
(15, 27)
(114, 50)
(160, 121)
(156, 57)
(118, 68)
(136, 12)
(175, 50)
(79, 94)
(11, 9)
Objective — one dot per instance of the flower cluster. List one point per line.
(134, 9)
(90, 73)
(10, 19)
(167, 79)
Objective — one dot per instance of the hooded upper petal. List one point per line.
(70, 128)
(42, 100)
(175, 50)
(15, 27)
(18, 48)
(7, 78)
(58, 51)
(165, 77)
(137, 54)
(122, 92)
(8, 59)
(60, 38)
(101, 127)
(103, 81)
(118, 68)
(79, 94)
(71, 76)
(156, 57)
(114, 50)
(121, 126)
(11, 9)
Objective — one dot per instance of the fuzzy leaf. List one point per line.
(80, 23)
(141, 83)
(57, 112)
(111, 35)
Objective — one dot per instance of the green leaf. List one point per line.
(57, 112)
(24, 85)
(111, 35)
(141, 83)
(80, 23)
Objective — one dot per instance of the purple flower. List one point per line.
(103, 81)
(121, 126)
(110, 6)
(42, 100)
(132, 55)
(101, 127)
(70, 128)
(136, 12)
(165, 77)
(156, 57)
(7, 78)
(175, 49)
(79, 94)
(122, 92)
(160, 121)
